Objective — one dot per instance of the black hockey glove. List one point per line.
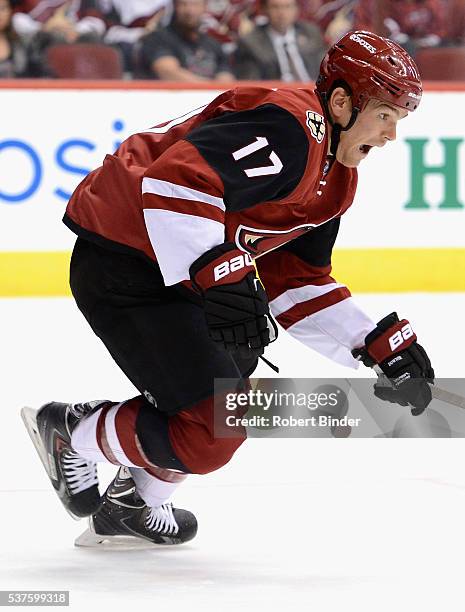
(393, 347)
(235, 302)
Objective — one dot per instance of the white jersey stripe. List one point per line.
(176, 121)
(178, 240)
(335, 331)
(291, 297)
(172, 190)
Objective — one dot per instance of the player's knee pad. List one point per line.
(199, 442)
(210, 457)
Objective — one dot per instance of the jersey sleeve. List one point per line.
(229, 163)
(308, 302)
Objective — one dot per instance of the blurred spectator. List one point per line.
(46, 22)
(226, 20)
(456, 22)
(411, 23)
(285, 48)
(181, 51)
(335, 18)
(128, 21)
(13, 59)
(69, 20)
(308, 8)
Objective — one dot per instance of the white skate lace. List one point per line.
(161, 519)
(79, 473)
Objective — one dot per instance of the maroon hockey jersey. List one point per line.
(250, 167)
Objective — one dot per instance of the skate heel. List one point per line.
(89, 538)
(125, 541)
(29, 416)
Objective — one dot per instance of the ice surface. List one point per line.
(322, 524)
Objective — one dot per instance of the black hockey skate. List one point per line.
(124, 518)
(73, 477)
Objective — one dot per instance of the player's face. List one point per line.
(375, 126)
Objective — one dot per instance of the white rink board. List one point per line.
(47, 153)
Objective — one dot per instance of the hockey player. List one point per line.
(168, 230)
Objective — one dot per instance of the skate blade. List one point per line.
(29, 416)
(90, 539)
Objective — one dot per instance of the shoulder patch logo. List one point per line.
(316, 123)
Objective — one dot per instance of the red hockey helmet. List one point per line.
(373, 67)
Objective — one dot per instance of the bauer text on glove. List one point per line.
(235, 302)
(393, 347)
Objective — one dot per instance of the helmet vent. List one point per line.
(393, 89)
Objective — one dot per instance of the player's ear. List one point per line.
(340, 105)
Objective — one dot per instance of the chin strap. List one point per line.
(335, 138)
(337, 127)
